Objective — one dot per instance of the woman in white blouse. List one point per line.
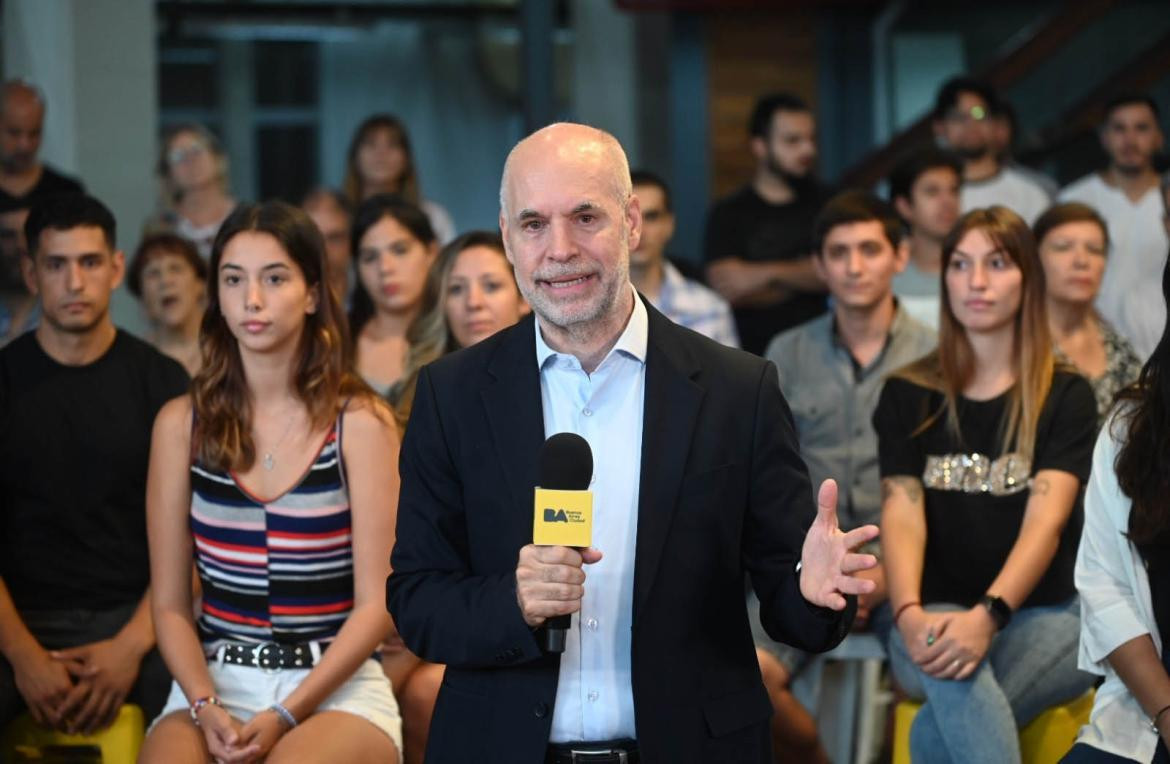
(1123, 573)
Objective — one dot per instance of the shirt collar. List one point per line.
(632, 342)
(897, 327)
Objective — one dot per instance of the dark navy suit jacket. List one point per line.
(723, 492)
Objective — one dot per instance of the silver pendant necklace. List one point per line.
(267, 461)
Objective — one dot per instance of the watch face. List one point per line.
(999, 610)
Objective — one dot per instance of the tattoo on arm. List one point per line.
(912, 487)
(1040, 487)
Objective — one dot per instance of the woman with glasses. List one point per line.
(194, 172)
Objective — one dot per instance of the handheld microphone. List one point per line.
(563, 509)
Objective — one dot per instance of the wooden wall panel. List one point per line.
(750, 54)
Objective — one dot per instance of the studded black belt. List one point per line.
(270, 656)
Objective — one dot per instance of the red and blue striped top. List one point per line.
(278, 570)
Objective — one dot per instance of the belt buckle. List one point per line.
(259, 655)
(586, 756)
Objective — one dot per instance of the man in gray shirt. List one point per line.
(832, 369)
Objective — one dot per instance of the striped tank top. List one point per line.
(278, 570)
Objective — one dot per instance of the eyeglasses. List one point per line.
(183, 153)
(974, 114)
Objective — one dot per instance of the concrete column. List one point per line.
(605, 71)
(96, 61)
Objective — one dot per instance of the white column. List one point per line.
(96, 62)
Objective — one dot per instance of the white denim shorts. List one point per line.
(245, 691)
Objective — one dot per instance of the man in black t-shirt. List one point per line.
(77, 403)
(758, 244)
(24, 179)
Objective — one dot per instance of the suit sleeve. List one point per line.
(443, 611)
(780, 509)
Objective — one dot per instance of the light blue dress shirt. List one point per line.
(595, 700)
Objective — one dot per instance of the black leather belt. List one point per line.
(604, 752)
(270, 656)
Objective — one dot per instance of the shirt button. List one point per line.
(591, 624)
(587, 412)
(540, 710)
(858, 432)
(592, 696)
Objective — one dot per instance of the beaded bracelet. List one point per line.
(284, 714)
(199, 705)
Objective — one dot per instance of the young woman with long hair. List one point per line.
(276, 476)
(983, 448)
(380, 161)
(476, 288)
(1123, 573)
(394, 248)
(170, 279)
(194, 170)
(1073, 240)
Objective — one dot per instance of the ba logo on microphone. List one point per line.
(562, 517)
(555, 515)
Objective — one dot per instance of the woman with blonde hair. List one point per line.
(275, 475)
(194, 169)
(380, 161)
(476, 289)
(984, 446)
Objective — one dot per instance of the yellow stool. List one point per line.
(1045, 740)
(118, 743)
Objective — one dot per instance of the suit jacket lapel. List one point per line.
(668, 422)
(514, 410)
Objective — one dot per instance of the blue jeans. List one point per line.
(1030, 666)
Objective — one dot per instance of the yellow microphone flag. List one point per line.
(562, 518)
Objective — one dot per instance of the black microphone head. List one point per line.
(566, 463)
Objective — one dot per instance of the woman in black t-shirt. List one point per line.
(984, 448)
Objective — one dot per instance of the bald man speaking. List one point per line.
(697, 481)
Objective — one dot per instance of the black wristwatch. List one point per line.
(1000, 611)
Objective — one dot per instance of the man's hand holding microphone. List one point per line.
(550, 575)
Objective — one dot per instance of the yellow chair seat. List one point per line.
(25, 740)
(1044, 741)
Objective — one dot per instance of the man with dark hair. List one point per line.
(832, 369)
(1126, 195)
(77, 403)
(682, 300)
(757, 246)
(924, 189)
(18, 305)
(964, 123)
(24, 179)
